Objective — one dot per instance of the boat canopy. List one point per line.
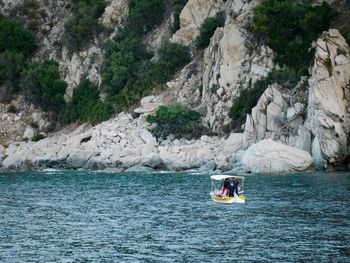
(219, 177)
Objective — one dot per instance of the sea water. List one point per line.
(69, 216)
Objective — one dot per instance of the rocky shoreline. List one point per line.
(125, 144)
(289, 129)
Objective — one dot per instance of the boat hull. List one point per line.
(228, 200)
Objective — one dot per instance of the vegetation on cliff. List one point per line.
(177, 7)
(86, 105)
(176, 119)
(288, 27)
(128, 73)
(82, 26)
(41, 84)
(208, 28)
(16, 45)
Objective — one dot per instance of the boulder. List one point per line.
(233, 143)
(154, 162)
(139, 169)
(29, 133)
(192, 17)
(78, 158)
(115, 13)
(208, 167)
(148, 104)
(269, 156)
(266, 119)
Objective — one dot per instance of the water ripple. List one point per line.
(59, 216)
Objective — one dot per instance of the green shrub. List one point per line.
(11, 65)
(121, 63)
(38, 137)
(81, 27)
(178, 5)
(41, 84)
(128, 73)
(172, 56)
(86, 105)
(208, 28)
(176, 119)
(144, 15)
(12, 109)
(290, 27)
(14, 38)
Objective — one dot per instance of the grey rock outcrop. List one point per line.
(269, 156)
(329, 100)
(192, 17)
(20, 121)
(120, 142)
(267, 117)
(139, 169)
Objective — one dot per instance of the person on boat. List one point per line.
(225, 186)
(233, 187)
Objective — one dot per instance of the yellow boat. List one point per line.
(215, 193)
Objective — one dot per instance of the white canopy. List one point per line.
(219, 177)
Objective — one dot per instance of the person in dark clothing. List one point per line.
(233, 187)
(225, 190)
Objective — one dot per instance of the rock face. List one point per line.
(227, 66)
(192, 17)
(329, 100)
(267, 117)
(269, 156)
(20, 121)
(122, 142)
(280, 133)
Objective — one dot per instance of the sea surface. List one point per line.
(64, 216)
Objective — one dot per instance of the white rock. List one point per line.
(233, 143)
(328, 119)
(269, 156)
(29, 132)
(192, 17)
(78, 158)
(149, 104)
(115, 13)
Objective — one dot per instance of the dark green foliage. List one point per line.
(247, 100)
(250, 96)
(80, 28)
(122, 61)
(12, 109)
(176, 119)
(172, 56)
(86, 105)
(11, 65)
(38, 137)
(128, 73)
(147, 75)
(178, 5)
(13, 37)
(41, 84)
(290, 26)
(208, 28)
(328, 64)
(144, 15)
(16, 44)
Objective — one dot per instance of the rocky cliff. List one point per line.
(311, 120)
